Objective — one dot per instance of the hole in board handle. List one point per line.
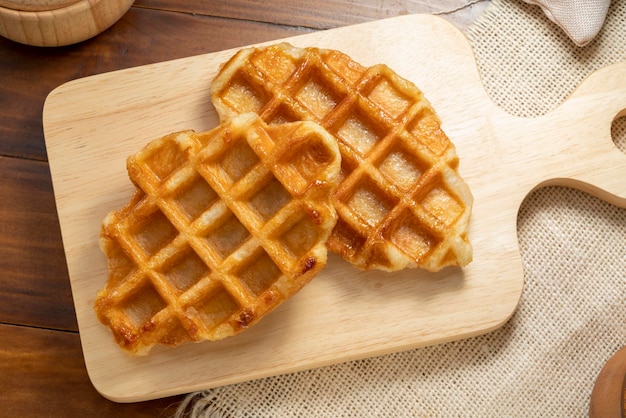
(618, 131)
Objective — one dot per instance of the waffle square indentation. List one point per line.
(310, 159)
(259, 273)
(426, 130)
(301, 236)
(124, 265)
(370, 203)
(277, 66)
(443, 205)
(412, 237)
(360, 134)
(185, 270)
(228, 236)
(401, 168)
(164, 160)
(318, 96)
(142, 304)
(153, 232)
(196, 198)
(269, 199)
(391, 100)
(216, 308)
(244, 96)
(239, 160)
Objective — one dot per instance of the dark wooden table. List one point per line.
(42, 371)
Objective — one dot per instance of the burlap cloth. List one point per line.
(572, 314)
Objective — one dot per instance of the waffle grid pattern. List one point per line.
(213, 239)
(400, 193)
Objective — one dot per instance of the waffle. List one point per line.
(223, 227)
(401, 201)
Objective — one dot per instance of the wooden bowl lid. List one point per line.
(58, 22)
(36, 5)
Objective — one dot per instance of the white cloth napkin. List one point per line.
(580, 19)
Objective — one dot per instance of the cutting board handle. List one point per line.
(572, 145)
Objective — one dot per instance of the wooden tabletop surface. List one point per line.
(42, 371)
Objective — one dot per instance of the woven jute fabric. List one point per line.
(572, 313)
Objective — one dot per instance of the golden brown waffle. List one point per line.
(224, 226)
(401, 201)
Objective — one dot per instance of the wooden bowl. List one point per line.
(58, 22)
(608, 398)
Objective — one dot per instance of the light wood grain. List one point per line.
(141, 37)
(92, 124)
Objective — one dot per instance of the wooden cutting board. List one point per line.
(92, 124)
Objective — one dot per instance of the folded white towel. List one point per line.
(580, 19)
